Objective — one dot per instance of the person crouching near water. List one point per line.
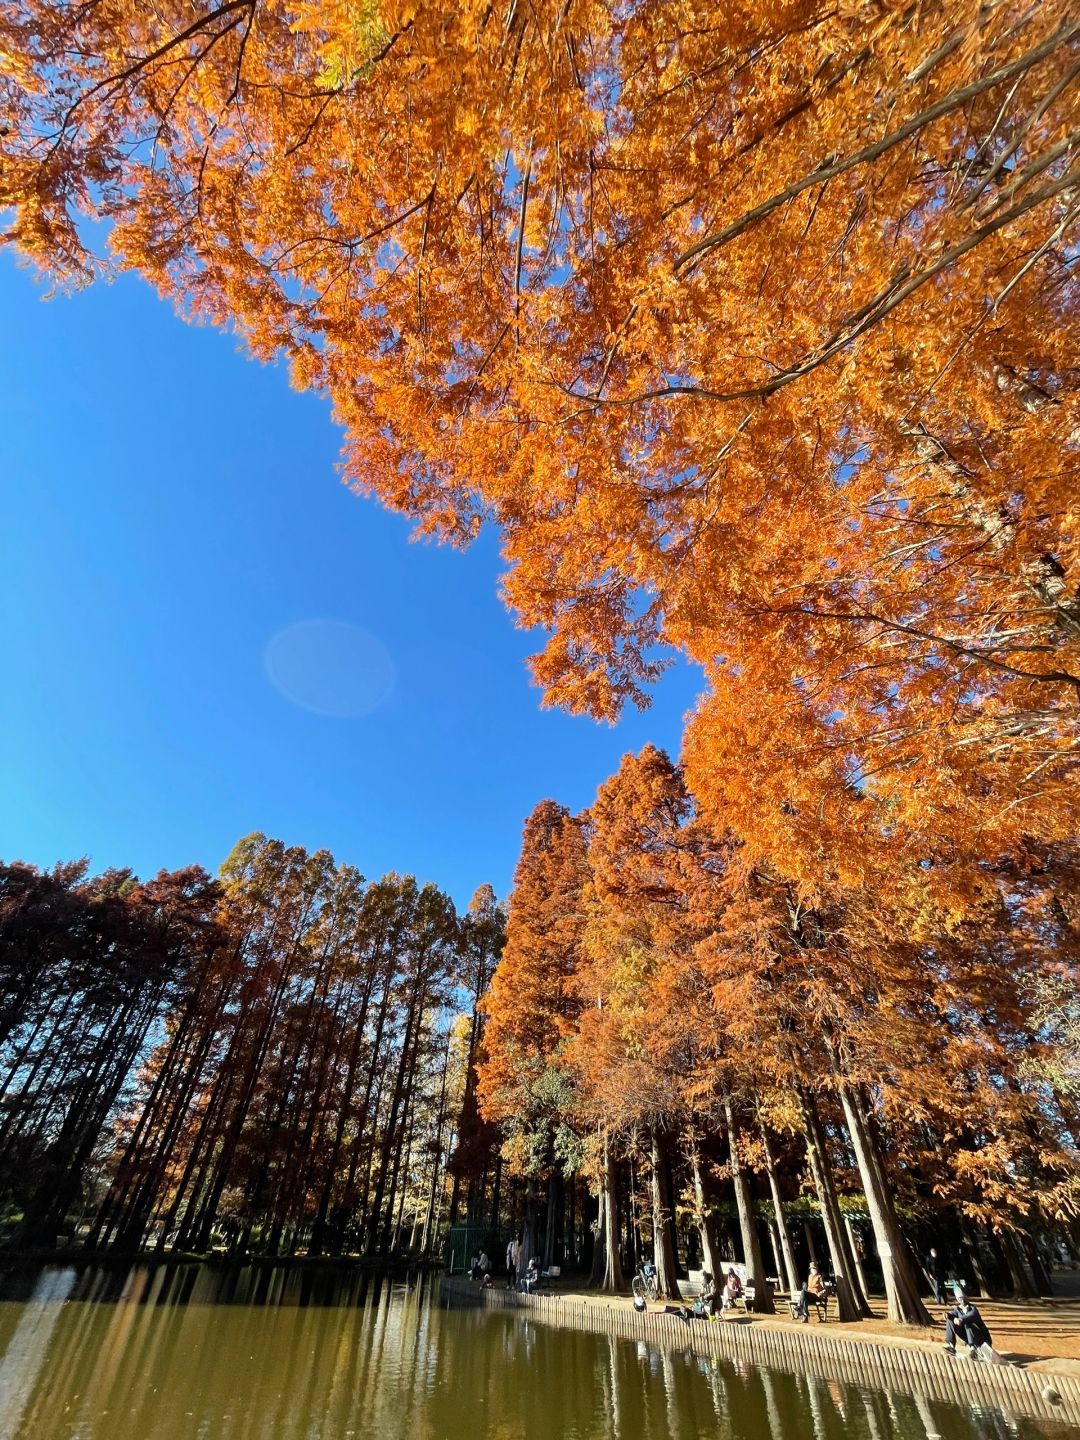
(964, 1320)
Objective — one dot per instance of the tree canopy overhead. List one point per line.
(752, 329)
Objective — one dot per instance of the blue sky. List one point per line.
(168, 508)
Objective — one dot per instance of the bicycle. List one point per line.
(644, 1283)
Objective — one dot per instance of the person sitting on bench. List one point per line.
(705, 1304)
(733, 1291)
(813, 1290)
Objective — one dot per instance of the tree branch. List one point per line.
(829, 168)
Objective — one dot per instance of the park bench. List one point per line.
(820, 1303)
(745, 1300)
(533, 1282)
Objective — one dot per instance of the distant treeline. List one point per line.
(268, 1061)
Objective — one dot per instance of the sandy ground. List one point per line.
(1033, 1333)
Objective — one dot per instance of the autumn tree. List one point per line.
(265, 1060)
(524, 1082)
(635, 906)
(90, 965)
(483, 935)
(753, 334)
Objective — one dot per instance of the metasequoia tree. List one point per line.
(753, 333)
(265, 1060)
(483, 935)
(88, 967)
(888, 1050)
(635, 905)
(524, 1082)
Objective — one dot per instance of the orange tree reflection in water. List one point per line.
(194, 1353)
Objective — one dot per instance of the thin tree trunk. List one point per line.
(971, 1245)
(569, 1245)
(549, 1228)
(703, 1217)
(496, 1187)
(436, 1160)
(786, 1259)
(752, 1259)
(1039, 1271)
(669, 1201)
(850, 1302)
(1024, 1287)
(857, 1255)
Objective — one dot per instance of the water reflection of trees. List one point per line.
(153, 1353)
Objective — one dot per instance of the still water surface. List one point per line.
(200, 1354)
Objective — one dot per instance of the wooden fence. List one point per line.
(809, 1350)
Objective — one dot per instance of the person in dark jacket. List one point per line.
(964, 1320)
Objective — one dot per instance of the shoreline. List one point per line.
(911, 1366)
(9, 1259)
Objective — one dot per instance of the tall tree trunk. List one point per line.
(850, 1302)
(528, 1239)
(436, 1159)
(856, 1252)
(496, 1186)
(1023, 1285)
(974, 1255)
(549, 1227)
(786, 1258)
(607, 1273)
(1039, 1272)
(455, 1201)
(569, 1245)
(389, 1150)
(667, 1279)
(778, 1254)
(669, 1201)
(752, 1259)
(901, 1285)
(598, 1263)
(703, 1216)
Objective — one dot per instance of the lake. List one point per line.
(202, 1353)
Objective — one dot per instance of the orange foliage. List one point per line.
(531, 1004)
(752, 331)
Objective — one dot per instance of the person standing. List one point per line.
(513, 1255)
(935, 1268)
